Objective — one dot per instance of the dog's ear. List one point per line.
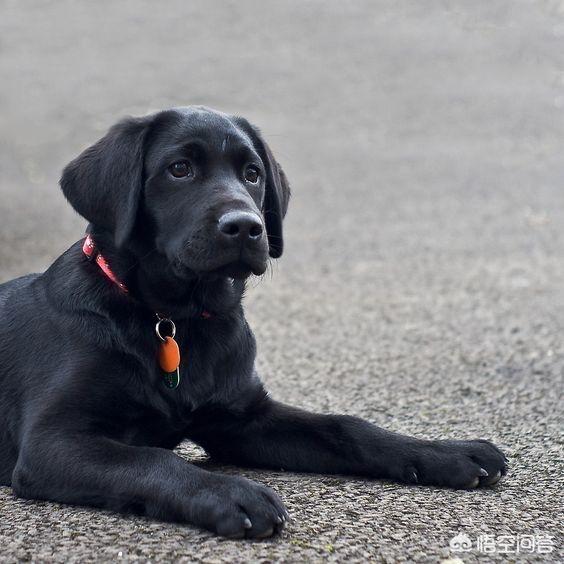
(104, 183)
(277, 190)
(276, 197)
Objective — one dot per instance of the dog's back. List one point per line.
(14, 295)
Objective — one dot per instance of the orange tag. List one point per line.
(169, 355)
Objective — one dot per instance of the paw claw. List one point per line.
(483, 472)
(495, 479)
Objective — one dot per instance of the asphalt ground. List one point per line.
(422, 285)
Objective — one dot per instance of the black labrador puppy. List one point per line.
(135, 339)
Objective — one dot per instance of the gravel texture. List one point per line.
(423, 281)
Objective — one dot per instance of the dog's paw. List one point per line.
(455, 464)
(235, 507)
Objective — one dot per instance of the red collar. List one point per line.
(90, 250)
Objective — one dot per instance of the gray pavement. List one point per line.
(423, 281)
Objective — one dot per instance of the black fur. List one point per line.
(84, 415)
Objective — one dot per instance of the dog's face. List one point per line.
(205, 190)
(202, 185)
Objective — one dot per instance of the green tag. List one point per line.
(172, 379)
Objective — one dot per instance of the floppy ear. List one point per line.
(103, 184)
(276, 197)
(277, 191)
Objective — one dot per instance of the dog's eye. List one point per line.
(181, 169)
(252, 174)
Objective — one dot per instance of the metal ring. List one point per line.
(158, 328)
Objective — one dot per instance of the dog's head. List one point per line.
(200, 186)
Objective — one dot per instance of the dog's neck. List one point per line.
(152, 282)
(162, 291)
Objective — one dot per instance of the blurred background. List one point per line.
(422, 283)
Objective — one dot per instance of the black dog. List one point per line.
(183, 206)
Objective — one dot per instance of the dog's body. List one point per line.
(183, 205)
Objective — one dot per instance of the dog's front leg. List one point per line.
(277, 436)
(70, 467)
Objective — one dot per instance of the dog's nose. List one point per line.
(240, 226)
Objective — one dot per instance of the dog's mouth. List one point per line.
(240, 267)
(238, 270)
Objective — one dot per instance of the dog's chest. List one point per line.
(215, 360)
